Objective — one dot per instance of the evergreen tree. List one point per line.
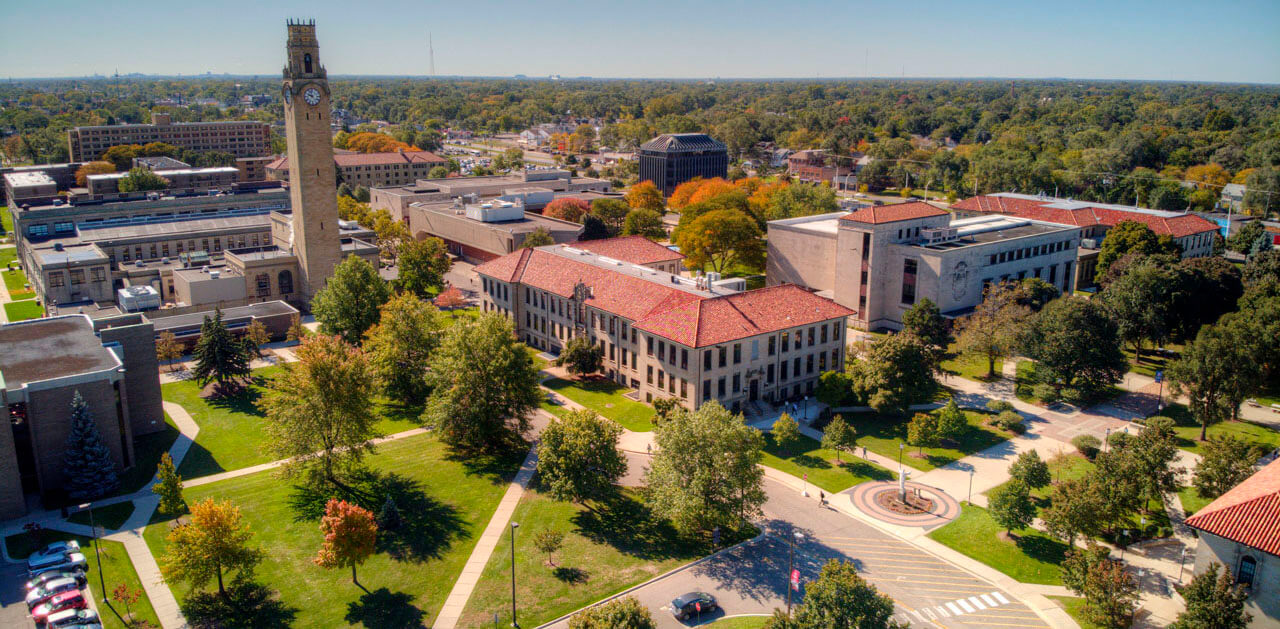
(1214, 601)
(169, 487)
(389, 515)
(220, 357)
(88, 470)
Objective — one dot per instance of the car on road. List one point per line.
(61, 602)
(70, 562)
(80, 618)
(49, 590)
(53, 575)
(691, 604)
(53, 551)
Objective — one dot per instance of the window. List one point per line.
(63, 227)
(720, 387)
(724, 356)
(99, 274)
(57, 280)
(662, 351)
(263, 282)
(77, 276)
(737, 383)
(624, 355)
(306, 63)
(768, 375)
(662, 375)
(784, 370)
(684, 388)
(755, 349)
(285, 282)
(737, 353)
(1248, 568)
(809, 364)
(795, 366)
(648, 344)
(835, 332)
(909, 282)
(810, 337)
(706, 389)
(823, 334)
(706, 359)
(649, 374)
(773, 340)
(684, 358)
(786, 338)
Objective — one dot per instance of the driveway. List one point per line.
(751, 579)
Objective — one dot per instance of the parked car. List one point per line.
(53, 575)
(691, 604)
(61, 602)
(73, 618)
(49, 590)
(55, 549)
(71, 562)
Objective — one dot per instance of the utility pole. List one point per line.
(431, 51)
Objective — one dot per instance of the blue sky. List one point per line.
(1226, 40)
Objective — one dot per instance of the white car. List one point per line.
(73, 618)
(49, 590)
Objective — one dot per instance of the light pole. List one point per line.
(796, 537)
(514, 526)
(1182, 560)
(900, 447)
(970, 498)
(1106, 438)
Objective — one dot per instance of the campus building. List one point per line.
(817, 166)
(241, 138)
(1192, 233)
(666, 336)
(371, 169)
(63, 176)
(880, 260)
(674, 158)
(478, 231)
(45, 362)
(535, 188)
(1240, 531)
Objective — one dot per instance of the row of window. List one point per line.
(1027, 252)
(58, 279)
(161, 250)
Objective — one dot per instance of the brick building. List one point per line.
(371, 169)
(241, 138)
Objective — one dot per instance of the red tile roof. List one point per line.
(685, 317)
(373, 159)
(1175, 226)
(878, 214)
(633, 249)
(1248, 514)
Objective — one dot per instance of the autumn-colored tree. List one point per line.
(721, 239)
(93, 168)
(710, 189)
(215, 541)
(645, 196)
(1210, 176)
(168, 348)
(127, 595)
(450, 298)
(567, 209)
(350, 535)
(296, 331)
(377, 143)
(255, 336)
(683, 192)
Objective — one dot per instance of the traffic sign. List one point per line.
(1160, 375)
(795, 580)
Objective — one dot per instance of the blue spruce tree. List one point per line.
(87, 466)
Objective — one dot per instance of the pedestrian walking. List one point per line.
(864, 453)
(822, 498)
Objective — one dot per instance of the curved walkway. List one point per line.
(863, 497)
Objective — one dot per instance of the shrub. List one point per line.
(999, 406)
(1045, 393)
(1074, 396)
(1087, 445)
(1118, 439)
(1009, 420)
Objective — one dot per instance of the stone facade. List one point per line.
(1264, 593)
(241, 138)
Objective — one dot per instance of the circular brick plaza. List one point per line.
(879, 500)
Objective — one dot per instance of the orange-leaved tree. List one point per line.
(350, 535)
(645, 196)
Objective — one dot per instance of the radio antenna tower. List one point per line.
(432, 52)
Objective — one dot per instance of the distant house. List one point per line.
(1241, 530)
(1232, 197)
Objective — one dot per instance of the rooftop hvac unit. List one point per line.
(937, 235)
(1089, 243)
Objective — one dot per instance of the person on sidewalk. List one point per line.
(822, 498)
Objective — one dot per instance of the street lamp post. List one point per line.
(970, 498)
(1182, 560)
(900, 447)
(1105, 439)
(796, 537)
(514, 526)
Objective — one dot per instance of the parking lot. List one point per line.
(13, 611)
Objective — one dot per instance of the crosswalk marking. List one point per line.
(969, 605)
(1000, 597)
(964, 605)
(954, 609)
(942, 611)
(990, 601)
(977, 603)
(918, 615)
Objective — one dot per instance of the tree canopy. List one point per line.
(349, 303)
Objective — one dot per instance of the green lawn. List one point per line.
(446, 500)
(882, 434)
(605, 397)
(741, 622)
(1034, 559)
(23, 310)
(146, 454)
(111, 517)
(1188, 430)
(7, 254)
(807, 457)
(971, 367)
(1075, 608)
(1191, 501)
(606, 550)
(231, 435)
(15, 282)
(6, 225)
(1151, 362)
(116, 569)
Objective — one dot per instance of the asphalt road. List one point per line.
(13, 611)
(751, 579)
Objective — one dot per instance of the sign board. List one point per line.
(1160, 375)
(795, 580)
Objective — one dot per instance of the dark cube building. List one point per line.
(674, 158)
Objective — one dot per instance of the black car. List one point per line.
(691, 604)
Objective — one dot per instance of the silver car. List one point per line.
(73, 618)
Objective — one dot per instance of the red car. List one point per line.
(62, 602)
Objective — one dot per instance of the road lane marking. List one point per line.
(1000, 597)
(943, 611)
(990, 601)
(968, 609)
(977, 603)
(951, 605)
(1002, 624)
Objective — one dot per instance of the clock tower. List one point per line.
(312, 176)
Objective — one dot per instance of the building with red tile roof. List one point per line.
(692, 339)
(881, 214)
(1241, 530)
(636, 250)
(372, 169)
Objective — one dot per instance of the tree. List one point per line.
(721, 239)
(839, 435)
(296, 331)
(925, 322)
(93, 168)
(1130, 236)
(647, 223)
(593, 228)
(645, 196)
(1215, 366)
(1227, 462)
(389, 518)
(1110, 594)
(255, 336)
(1260, 185)
(786, 432)
(952, 422)
(1214, 601)
(547, 542)
(140, 180)
(706, 471)
(611, 212)
(423, 264)
(578, 457)
(129, 596)
(1077, 344)
(1030, 469)
(580, 356)
(88, 469)
(1034, 293)
(1152, 454)
(349, 303)
(168, 349)
(483, 383)
(840, 599)
(1143, 302)
(439, 172)
(317, 410)
(894, 372)
(620, 613)
(169, 487)
(567, 209)
(539, 237)
(801, 199)
(121, 156)
(992, 330)
(219, 356)
(835, 388)
(215, 541)
(350, 535)
(663, 407)
(922, 432)
(1010, 505)
(399, 346)
(1074, 509)
(450, 299)
(1243, 239)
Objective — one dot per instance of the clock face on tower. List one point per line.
(312, 96)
